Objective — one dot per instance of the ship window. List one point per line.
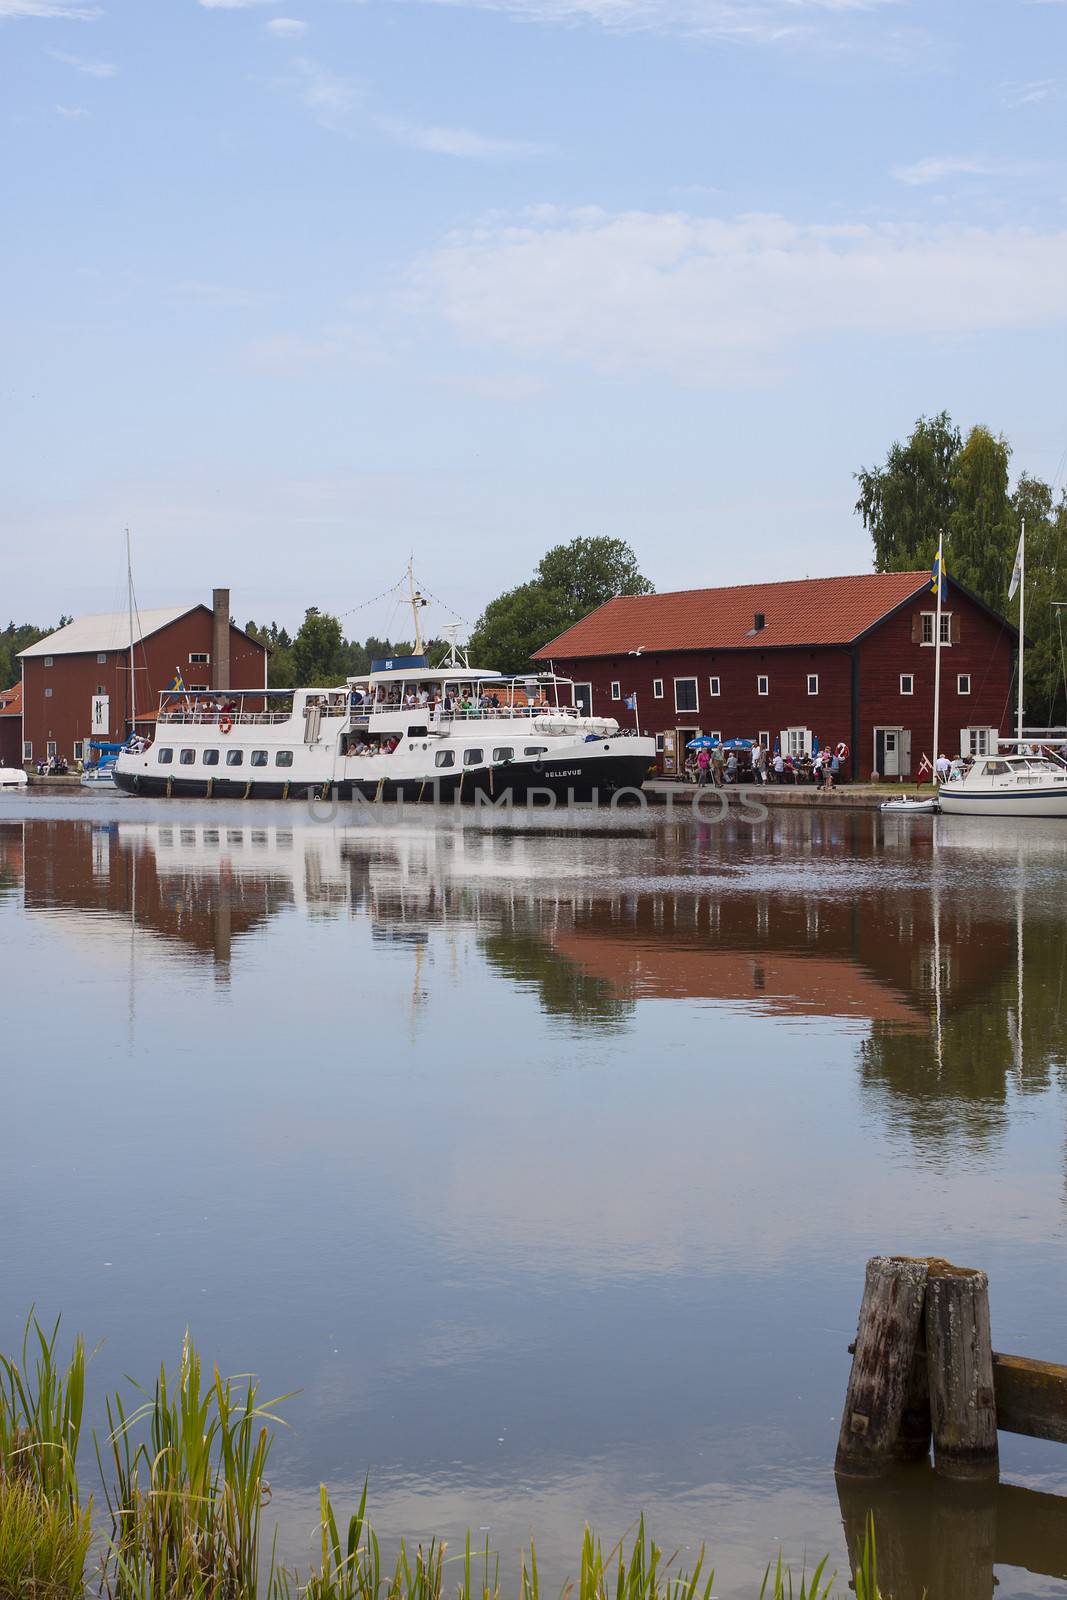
(211, 758)
(235, 758)
(164, 756)
(536, 750)
(445, 758)
(416, 732)
(187, 757)
(473, 758)
(283, 758)
(504, 752)
(259, 758)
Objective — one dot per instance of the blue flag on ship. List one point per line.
(630, 702)
(939, 576)
(178, 684)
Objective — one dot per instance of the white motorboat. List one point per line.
(906, 803)
(1004, 785)
(13, 778)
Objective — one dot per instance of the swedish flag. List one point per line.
(178, 685)
(939, 576)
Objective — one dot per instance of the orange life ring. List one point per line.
(225, 725)
(841, 751)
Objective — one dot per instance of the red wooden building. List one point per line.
(11, 726)
(76, 683)
(847, 660)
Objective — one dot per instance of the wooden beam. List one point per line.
(1031, 1397)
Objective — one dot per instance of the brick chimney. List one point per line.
(220, 647)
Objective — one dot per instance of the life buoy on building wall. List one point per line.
(841, 751)
(225, 725)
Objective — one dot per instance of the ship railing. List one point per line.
(212, 718)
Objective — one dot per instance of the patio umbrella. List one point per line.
(737, 744)
(703, 742)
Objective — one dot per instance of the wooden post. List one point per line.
(963, 1537)
(960, 1363)
(880, 1383)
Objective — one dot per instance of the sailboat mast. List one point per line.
(1022, 625)
(937, 648)
(129, 600)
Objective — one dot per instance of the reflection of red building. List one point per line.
(847, 660)
(11, 727)
(77, 682)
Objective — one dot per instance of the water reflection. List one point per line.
(544, 1163)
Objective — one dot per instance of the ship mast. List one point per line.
(417, 603)
(129, 599)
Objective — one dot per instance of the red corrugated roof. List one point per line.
(11, 701)
(806, 611)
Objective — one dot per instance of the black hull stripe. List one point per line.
(580, 780)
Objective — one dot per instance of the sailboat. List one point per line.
(1021, 779)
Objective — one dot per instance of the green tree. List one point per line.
(571, 580)
(935, 480)
(318, 649)
(904, 503)
(15, 637)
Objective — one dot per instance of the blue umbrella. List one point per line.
(704, 742)
(737, 744)
(815, 744)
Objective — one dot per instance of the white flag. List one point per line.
(1017, 570)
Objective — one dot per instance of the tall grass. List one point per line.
(44, 1544)
(41, 1404)
(186, 1500)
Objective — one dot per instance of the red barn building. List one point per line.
(11, 727)
(76, 682)
(847, 660)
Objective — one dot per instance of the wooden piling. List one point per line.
(881, 1385)
(963, 1410)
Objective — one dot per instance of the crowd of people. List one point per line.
(720, 766)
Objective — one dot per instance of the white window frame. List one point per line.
(657, 688)
(684, 711)
(616, 690)
(946, 628)
(797, 741)
(101, 658)
(961, 679)
(49, 661)
(813, 678)
(48, 692)
(763, 684)
(715, 733)
(659, 744)
(198, 688)
(27, 749)
(909, 679)
(50, 748)
(714, 687)
(79, 749)
(764, 739)
(977, 741)
(929, 623)
(199, 658)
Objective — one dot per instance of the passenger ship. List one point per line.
(406, 731)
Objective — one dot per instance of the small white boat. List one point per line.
(101, 777)
(906, 803)
(1008, 786)
(12, 778)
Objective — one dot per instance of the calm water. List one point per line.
(544, 1163)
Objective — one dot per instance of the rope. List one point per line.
(248, 789)
(285, 790)
(210, 787)
(378, 791)
(170, 784)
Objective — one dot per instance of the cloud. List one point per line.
(92, 69)
(724, 303)
(935, 169)
(71, 111)
(48, 8)
(219, 296)
(340, 103)
(294, 355)
(752, 21)
(1015, 95)
(234, 5)
(286, 27)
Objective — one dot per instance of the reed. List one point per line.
(44, 1544)
(186, 1498)
(41, 1404)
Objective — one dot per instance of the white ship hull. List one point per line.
(966, 800)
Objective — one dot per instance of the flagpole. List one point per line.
(637, 715)
(1022, 618)
(937, 651)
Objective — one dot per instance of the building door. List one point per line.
(670, 752)
(684, 736)
(583, 698)
(890, 758)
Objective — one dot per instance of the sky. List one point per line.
(297, 289)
